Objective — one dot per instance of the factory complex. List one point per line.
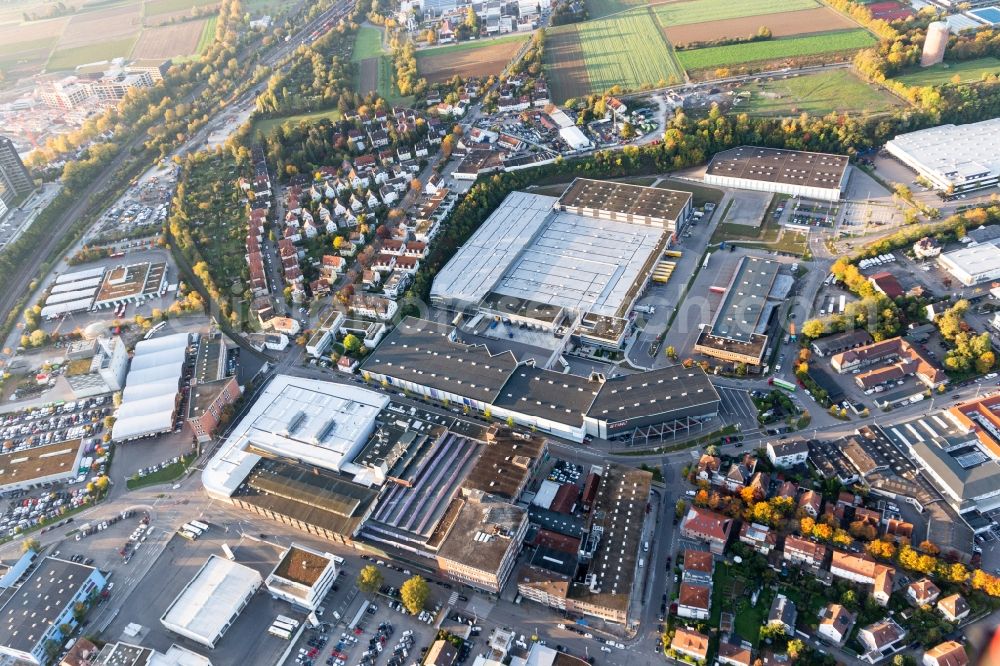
(954, 158)
(799, 173)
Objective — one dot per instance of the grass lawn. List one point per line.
(367, 43)
(699, 11)
(386, 88)
(207, 35)
(81, 55)
(944, 72)
(817, 94)
(627, 50)
(469, 46)
(165, 475)
(701, 193)
(776, 49)
(268, 124)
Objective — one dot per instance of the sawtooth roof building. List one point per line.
(427, 358)
(798, 173)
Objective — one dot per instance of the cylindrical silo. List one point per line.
(935, 44)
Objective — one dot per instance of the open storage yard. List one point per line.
(941, 73)
(481, 58)
(817, 94)
(626, 50)
(778, 51)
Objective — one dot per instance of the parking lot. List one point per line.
(737, 406)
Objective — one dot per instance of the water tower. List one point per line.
(935, 44)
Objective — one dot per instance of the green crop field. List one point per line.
(601, 8)
(776, 49)
(699, 11)
(367, 44)
(207, 35)
(81, 55)
(816, 94)
(268, 124)
(463, 47)
(941, 73)
(627, 50)
(154, 7)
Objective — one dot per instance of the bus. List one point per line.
(190, 536)
(781, 383)
(279, 632)
(287, 620)
(191, 528)
(200, 525)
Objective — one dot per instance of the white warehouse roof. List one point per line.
(50, 311)
(209, 603)
(574, 137)
(953, 154)
(75, 295)
(150, 394)
(74, 286)
(80, 275)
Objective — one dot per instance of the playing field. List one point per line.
(627, 50)
(81, 55)
(367, 43)
(941, 73)
(781, 24)
(701, 11)
(167, 41)
(776, 49)
(468, 58)
(816, 94)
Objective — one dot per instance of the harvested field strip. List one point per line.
(81, 55)
(565, 67)
(968, 71)
(776, 49)
(154, 7)
(19, 49)
(700, 11)
(180, 39)
(367, 44)
(472, 46)
(627, 50)
(783, 24)
(601, 8)
(489, 58)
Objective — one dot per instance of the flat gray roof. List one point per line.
(777, 165)
(645, 205)
(422, 352)
(558, 397)
(739, 315)
(38, 602)
(654, 392)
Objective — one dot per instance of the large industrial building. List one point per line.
(428, 359)
(212, 601)
(574, 264)
(798, 173)
(104, 287)
(954, 158)
(39, 609)
(974, 264)
(149, 401)
(739, 331)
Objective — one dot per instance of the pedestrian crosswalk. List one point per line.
(453, 599)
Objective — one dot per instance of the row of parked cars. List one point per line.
(23, 430)
(29, 512)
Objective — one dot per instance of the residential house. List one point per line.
(372, 307)
(698, 566)
(803, 551)
(759, 537)
(760, 483)
(371, 279)
(735, 654)
(788, 489)
(886, 283)
(407, 264)
(690, 643)
(881, 639)
(788, 453)
(841, 342)
(835, 623)
(707, 526)
(694, 601)
(783, 614)
(954, 607)
(319, 287)
(949, 653)
(857, 568)
(434, 183)
(708, 466)
(923, 592)
(882, 587)
(739, 474)
(811, 502)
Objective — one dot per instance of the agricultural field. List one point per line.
(207, 35)
(367, 44)
(703, 11)
(96, 28)
(65, 59)
(601, 8)
(156, 7)
(941, 73)
(776, 50)
(268, 124)
(180, 39)
(816, 94)
(468, 58)
(781, 24)
(627, 50)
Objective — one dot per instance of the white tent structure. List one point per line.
(150, 396)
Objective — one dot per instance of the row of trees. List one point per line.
(968, 351)
(413, 593)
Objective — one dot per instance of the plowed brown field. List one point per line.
(784, 24)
